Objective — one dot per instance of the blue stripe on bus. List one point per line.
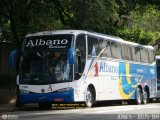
(131, 75)
(47, 97)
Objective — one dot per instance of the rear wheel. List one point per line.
(138, 99)
(89, 99)
(145, 97)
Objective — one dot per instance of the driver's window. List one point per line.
(80, 56)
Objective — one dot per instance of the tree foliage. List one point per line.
(134, 20)
(142, 25)
(25, 16)
(95, 15)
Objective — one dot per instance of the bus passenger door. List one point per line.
(79, 66)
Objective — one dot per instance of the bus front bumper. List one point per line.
(66, 97)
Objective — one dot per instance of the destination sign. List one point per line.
(48, 42)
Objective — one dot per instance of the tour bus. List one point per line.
(158, 75)
(67, 66)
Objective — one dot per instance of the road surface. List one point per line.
(107, 112)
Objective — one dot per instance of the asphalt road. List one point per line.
(100, 112)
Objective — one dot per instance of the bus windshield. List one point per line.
(46, 65)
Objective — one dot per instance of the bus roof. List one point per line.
(76, 32)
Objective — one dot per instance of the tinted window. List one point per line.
(136, 53)
(116, 50)
(93, 47)
(144, 55)
(126, 52)
(151, 56)
(105, 47)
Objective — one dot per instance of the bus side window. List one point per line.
(151, 56)
(80, 56)
(93, 47)
(144, 55)
(126, 52)
(136, 53)
(105, 47)
(116, 50)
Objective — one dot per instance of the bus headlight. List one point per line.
(64, 90)
(24, 91)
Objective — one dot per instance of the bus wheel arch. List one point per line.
(90, 95)
(146, 94)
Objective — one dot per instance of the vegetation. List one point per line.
(143, 25)
(133, 20)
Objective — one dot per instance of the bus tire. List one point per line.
(138, 96)
(89, 98)
(45, 106)
(152, 100)
(145, 97)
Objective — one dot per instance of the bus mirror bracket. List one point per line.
(71, 56)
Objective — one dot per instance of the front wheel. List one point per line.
(89, 98)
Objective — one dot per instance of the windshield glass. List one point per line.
(45, 68)
(45, 65)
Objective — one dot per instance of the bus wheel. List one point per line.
(151, 100)
(89, 98)
(138, 99)
(45, 106)
(145, 97)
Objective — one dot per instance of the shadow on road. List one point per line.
(35, 107)
(68, 106)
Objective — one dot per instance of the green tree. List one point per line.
(19, 17)
(132, 4)
(129, 19)
(142, 25)
(16, 13)
(27, 16)
(95, 15)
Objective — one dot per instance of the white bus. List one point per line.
(88, 67)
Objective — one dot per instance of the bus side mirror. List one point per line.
(71, 56)
(12, 58)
